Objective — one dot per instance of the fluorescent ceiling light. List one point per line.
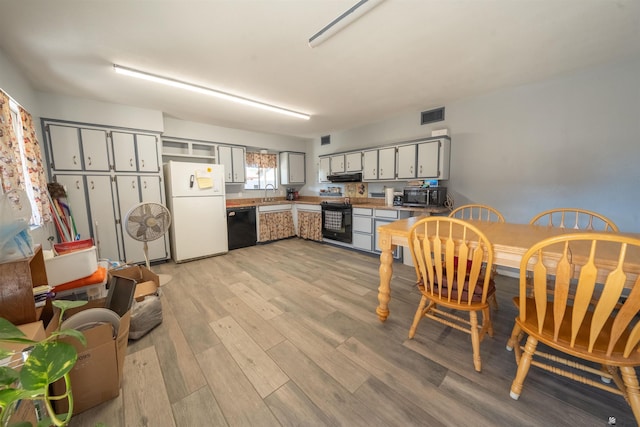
(206, 91)
(342, 21)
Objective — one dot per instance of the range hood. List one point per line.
(346, 177)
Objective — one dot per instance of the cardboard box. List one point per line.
(147, 282)
(97, 375)
(72, 266)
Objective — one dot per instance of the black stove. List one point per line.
(336, 221)
(340, 204)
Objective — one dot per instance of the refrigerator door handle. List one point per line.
(191, 180)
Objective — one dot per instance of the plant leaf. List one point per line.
(7, 376)
(45, 422)
(10, 395)
(47, 363)
(65, 305)
(23, 424)
(9, 332)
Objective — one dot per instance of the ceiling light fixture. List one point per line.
(342, 21)
(206, 91)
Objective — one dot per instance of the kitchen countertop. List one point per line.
(370, 203)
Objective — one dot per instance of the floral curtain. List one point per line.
(310, 225)
(276, 225)
(35, 168)
(11, 166)
(259, 160)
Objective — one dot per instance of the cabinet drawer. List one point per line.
(362, 224)
(308, 208)
(273, 208)
(384, 213)
(363, 241)
(362, 211)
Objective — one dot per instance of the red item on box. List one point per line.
(76, 245)
(95, 278)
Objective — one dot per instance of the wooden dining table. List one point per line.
(510, 241)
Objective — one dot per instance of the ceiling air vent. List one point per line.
(431, 116)
(325, 140)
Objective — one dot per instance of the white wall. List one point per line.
(13, 82)
(88, 111)
(571, 141)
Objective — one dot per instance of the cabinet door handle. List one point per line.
(420, 169)
(89, 159)
(145, 184)
(133, 185)
(381, 172)
(92, 185)
(74, 160)
(142, 163)
(131, 162)
(411, 169)
(77, 185)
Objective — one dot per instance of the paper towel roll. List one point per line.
(388, 196)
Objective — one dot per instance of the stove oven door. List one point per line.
(336, 223)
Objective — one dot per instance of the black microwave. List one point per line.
(424, 197)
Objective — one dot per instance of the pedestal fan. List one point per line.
(146, 222)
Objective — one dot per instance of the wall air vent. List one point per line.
(431, 116)
(325, 140)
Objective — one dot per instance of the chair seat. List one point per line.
(530, 326)
(477, 292)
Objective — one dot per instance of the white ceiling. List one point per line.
(404, 55)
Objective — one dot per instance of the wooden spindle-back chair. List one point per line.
(453, 260)
(477, 212)
(579, 219)
(586, 316)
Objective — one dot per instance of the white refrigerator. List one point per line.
(195, 197)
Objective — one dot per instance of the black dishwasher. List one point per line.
(241, 227)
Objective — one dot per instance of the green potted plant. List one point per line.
(47, 361)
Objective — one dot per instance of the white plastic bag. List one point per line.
(145, 315)
(15, 239)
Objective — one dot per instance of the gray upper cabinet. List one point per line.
(292, 168)
(147, 153)
(77, 149)
(337, 164)
(94, 150)
(379, 164)
(370, 165)
(354, 162)
(324, 169)
(233, 159)
(426, 158)
(135, 152)
(433, 159)
(407, 161)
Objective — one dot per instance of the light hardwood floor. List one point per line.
(285, 334)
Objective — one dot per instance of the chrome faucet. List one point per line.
(266, 188)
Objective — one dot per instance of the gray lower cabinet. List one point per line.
(386, 216)
(132, 190)
(90, 198)
(363, 229)
(365, 224)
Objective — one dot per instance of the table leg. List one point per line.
(386, 270)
